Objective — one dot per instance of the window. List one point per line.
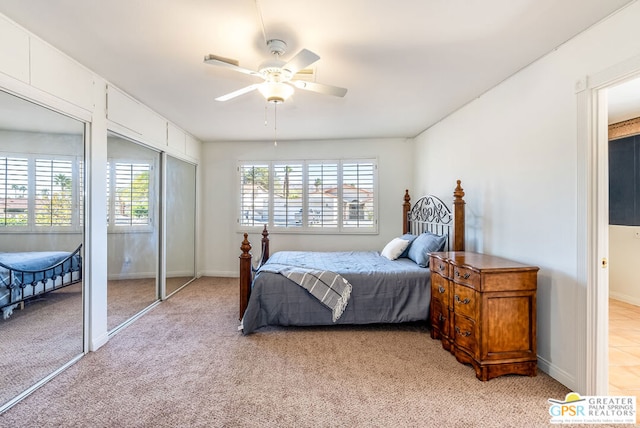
(322, 195)
(254, 194)
(287, 195)
(37, 191)
(14, 184)
(54, 196)
(128, 193)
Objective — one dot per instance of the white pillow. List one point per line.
(394, 248)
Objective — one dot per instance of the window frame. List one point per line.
(112, 225)
(340, 228)
(76, 224)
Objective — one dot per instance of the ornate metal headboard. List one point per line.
(431, 214)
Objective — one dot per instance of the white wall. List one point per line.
(222, 236)
(515, 150)
(37, 71)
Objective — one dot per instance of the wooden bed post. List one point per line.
(245, 274)
(458, 218)
(406, 207)
(265, 246)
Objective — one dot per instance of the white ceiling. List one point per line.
(624, 101)
(406, 64)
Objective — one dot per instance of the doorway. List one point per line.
(593, 222)
(623, 113)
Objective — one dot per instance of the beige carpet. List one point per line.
(184, 364)
(127, 297)
(47, 333)
(39, 339)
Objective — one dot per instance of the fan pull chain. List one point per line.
(265, 113)
(275, 124)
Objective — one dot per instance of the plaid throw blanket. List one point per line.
(331, 289)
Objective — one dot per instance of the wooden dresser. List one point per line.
(483, 309)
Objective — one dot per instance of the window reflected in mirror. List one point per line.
(41, 236)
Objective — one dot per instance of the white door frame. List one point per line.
(593, 220)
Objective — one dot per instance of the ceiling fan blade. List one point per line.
(229, 63)
(303, 59)
(238, 92)
(320, 88)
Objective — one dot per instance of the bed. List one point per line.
(372, 287)
(28, 275)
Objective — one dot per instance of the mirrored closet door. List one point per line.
(41, 236)
(180, 229)
(133, 188)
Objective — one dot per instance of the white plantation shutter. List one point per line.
(323, 195)
(130, 194)
(14, 188)
(40, 191)
(287, 195)
(254, 194)
(54, 192)
(80, 187)
(323, 205)
(357, 194)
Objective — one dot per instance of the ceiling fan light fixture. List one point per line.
(276, 92)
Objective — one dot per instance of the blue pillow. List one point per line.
(424, 244)
(408, 237)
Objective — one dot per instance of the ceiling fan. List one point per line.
(280, 78)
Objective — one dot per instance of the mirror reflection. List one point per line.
(180, 223)
(132, 229)
(41, 236)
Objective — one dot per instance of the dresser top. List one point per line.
(482, 262)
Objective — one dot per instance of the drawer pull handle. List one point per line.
(466, 301)
(466, 333)
(465, 276)
(441, 318)
(441, 266)
(441, 289)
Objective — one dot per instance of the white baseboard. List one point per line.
(179, 273)
(558, 374)
(220, 273)
(633, 300)
(143, 275)
(136, 275)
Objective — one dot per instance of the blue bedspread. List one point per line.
(31, 272)
(383, 291)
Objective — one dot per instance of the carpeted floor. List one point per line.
(39, 339)
(47, 333)
(127, 297)
(184, 364)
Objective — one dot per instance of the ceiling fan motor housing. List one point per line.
(277, 47)
(272, 71)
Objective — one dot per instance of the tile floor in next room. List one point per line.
(624, 348)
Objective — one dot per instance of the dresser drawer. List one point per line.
(440, 318)
(440, 289)
(465, 301)
(464, 331)
(437, 265)
(466, 276)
